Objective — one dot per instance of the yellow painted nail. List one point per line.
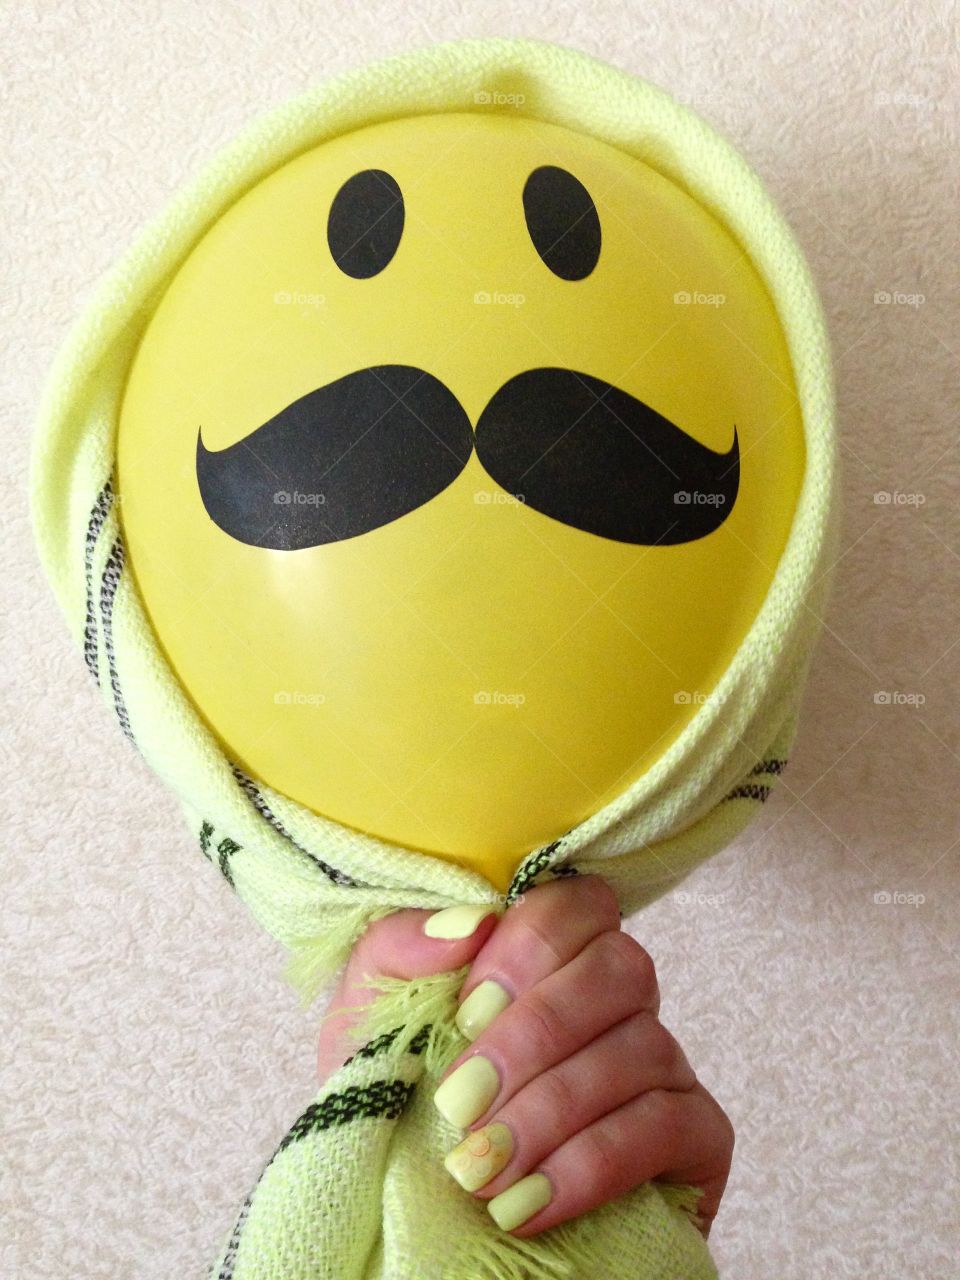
(481, 1007)
(455, 922)
(480, 1156)
(511, 1208)
(468, 1092)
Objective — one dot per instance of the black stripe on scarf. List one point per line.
(226, 849)
(384, 1099)
(98, 515)
(533, 865)
(566, 870)
(252, 793)
(758, 790)
(108, 590)
(230, 1256)
(768, 766)
(380, 1045)
(749, 791)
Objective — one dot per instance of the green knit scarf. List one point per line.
(357, 1190)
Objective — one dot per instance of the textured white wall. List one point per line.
(151, 1056)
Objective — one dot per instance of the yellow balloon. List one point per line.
(454, 465)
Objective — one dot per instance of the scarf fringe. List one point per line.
(573, 1250)
(419, 1006)
(315, 958)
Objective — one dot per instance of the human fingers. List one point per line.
(632, 1057)
(679, 1137)
(534, 938)
(611, 979)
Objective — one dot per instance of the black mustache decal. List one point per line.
(376, 444)
(338, 462)
(589, 455)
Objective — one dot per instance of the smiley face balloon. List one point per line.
(455, 464)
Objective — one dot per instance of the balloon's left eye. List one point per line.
(365, 223)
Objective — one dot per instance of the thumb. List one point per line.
(400, 945)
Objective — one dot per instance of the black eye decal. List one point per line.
(365, 223)
(562, 221)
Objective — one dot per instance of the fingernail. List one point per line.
(512, 1208)
(455, 922)
(481, 1007)
(468, 1092)
(480, 1156)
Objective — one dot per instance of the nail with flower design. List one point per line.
(480, 1156)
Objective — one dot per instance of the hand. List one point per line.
(574, 1092)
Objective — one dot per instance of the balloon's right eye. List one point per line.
(562, 221)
